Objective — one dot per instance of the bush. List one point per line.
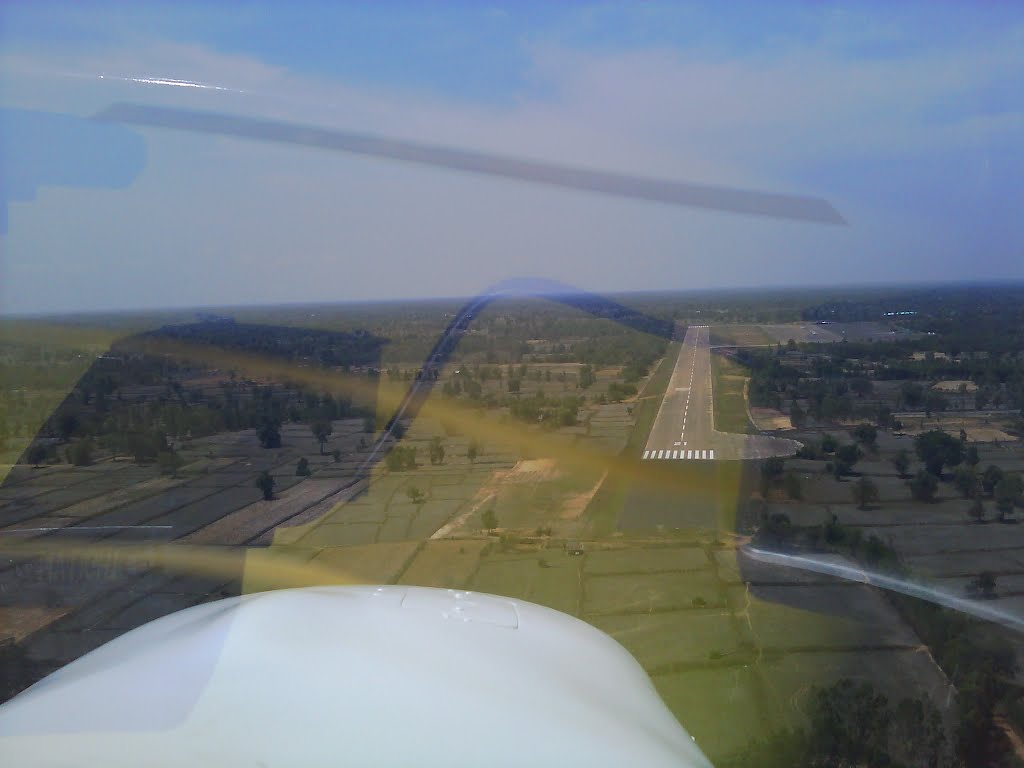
(618, 392)
(865, 492)
(266, 484)
(792, 485)
(938, 449)
(489, 520)
(923, 486)
(401, 458)
(269, 435)
(81, 453)
(169, 462)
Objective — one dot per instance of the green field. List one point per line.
(730, 400)
(547, 578)
(740, 335)
(368, 564)
(653, 592)
(652, 560)
(603, 511)
(445, 563)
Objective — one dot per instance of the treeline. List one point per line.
(143, 429)
(324, 347)
(551, 411)
(132, 403)
(852, 724)
(962, 318)
(836, 382)
(977, 661)
(538, 330)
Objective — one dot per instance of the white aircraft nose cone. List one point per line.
(360, 676)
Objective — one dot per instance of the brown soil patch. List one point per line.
(20, 622)
(954, 386)
(525, 471)
(769, 418)
(573, 507)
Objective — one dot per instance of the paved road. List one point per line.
(684, 429)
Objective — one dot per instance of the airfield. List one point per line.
(733, 646)
(684, 429)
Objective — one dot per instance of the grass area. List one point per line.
(550, 578)
(371, 563)
(444, 563)
(740, 335)
(603, 511)
(651, 560)
(712, 701)
(651, 592)
(648, 636)
(730, 401)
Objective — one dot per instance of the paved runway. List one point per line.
(684, 428)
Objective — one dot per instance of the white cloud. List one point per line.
(225, 221)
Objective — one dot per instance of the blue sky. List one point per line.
(908, 117)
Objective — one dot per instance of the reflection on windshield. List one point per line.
(234, 411)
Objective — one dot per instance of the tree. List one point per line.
(586, 377)
(436, 451)
(977, 510)
(901, 461)
(1007, 492)
(266, 484)
(67, 425)
(473, 451)
(865, 492)
(861, 386)
(846, 457)
(923, 486)
(938, 449)
(169, 462)
(401, 458)
(797, 415)
(912, 394)
(971, 457)
(865, 434)
(935, 402)
(416, 496)
(81, 453)
(37, 454)
(849, 719)
(772, 468)
(489, 520)
(984, 584)
(145, 446)
(966, 481)
(269, 435)
(302, 468)
(778, 527)
(771, 473)
(322, 430)
(792, 486)
(990, 478)
(829, 443)
(884, 419)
